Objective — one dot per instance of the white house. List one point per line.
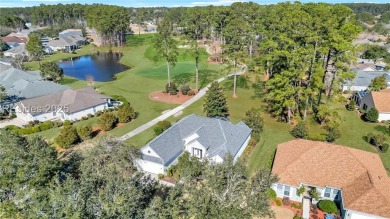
(13, 52)
(203, 137)
(65, 105)
(380, 100)
(355, 179)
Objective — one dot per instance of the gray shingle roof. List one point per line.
(364, 78)
(21, 49)
(23, 85)
(73, 100)
(217, 136)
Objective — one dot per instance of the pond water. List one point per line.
(99, 67)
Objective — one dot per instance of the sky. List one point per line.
(154, 3)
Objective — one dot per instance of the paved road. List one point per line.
(170, 113)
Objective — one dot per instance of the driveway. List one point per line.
(16, 121)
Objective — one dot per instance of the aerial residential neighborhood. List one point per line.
(179, 109)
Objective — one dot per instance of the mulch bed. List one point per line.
(166, 98)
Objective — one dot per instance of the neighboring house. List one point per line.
(380, 100)
(70, 32)
(202, 137)
(357, 97)
(48, 50)
(13, 52)
(65, 105)
(62, 44)
(366, 67)
(363, 80)
(44, 41)
(20, 34)
(355, 179)
(21, 85)
(11, 40)
(5, 64)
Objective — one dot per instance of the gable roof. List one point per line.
(381, 100)
(22, 85)
(359, 174)
(364, 78)
(21, 49)
(73, 100)
(219, 137)
(14, 39)
(61, 42)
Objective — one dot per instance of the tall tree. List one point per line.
(165, 46)
(34, 48)
(215, 103)
(378, 83)
(51, 71)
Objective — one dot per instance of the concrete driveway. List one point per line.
(16, 121)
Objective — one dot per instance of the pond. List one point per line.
(99, 67)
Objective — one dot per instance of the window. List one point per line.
(335, 193)
(365, 106)
(327, 193)
(279, 189)
(197, 153)
(287, 190)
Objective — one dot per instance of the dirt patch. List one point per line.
(166, 98)
(120, 124)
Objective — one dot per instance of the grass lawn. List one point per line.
(144, 77)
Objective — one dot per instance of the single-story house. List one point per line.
(14, 39)
(363, 80)
(65, 105)
(380, 100)
(21, 85)
(70, 32)
(13, 52)
(20, 34)
(62, 44)
(355, 179)
(357, 97)
(203, 137)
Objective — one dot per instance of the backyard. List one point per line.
(146, 76)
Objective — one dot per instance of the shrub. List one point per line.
(327, 206)
(295, 205)
(35, 129)
(271, 193)
(25, 131)
(172, 92)
(99, 113)
(286, 201)
(126, 113)
(332, 134)
(85, 132)
(107, 121)
(372, 115)
(68, 136)
(190, 93)
(90, 115)
(119, 98)
(57, 124)
(160, 176)
(170, 87)
(351, 106)
(185, 88)
(377, 140)
(46, 125)
(13, 116)
(300, 130)
(297, 217)
(301, 190)
(161, 127)
(13, 128)
(278, 202)
(67, 123)
(316, 137)
(384, 148)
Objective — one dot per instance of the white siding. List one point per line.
(242, 148)
(384, 117)
(359, 215)
(78, 115)
(151, 167)
(45, 117)
(280, 193)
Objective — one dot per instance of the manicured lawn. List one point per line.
(144, 77)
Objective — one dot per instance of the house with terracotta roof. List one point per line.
(356, 180)
(379, 100)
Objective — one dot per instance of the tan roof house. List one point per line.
(355, 179)
(65, 105)
(380, 100)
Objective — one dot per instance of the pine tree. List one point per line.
(351, 106)
(215, 102)
(372, 115)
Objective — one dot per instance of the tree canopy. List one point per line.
(215, 103)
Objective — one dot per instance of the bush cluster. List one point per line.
(34, 127)
(372, 115)
(185, 88)
(327, 206)
(378, 140)
(70, 135)
(161, 127)
(300, 130)
(107, 121)
(126, 113)
(171, 88)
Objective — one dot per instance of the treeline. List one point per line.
(102, 182)
(369, 8)
(304, 49)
